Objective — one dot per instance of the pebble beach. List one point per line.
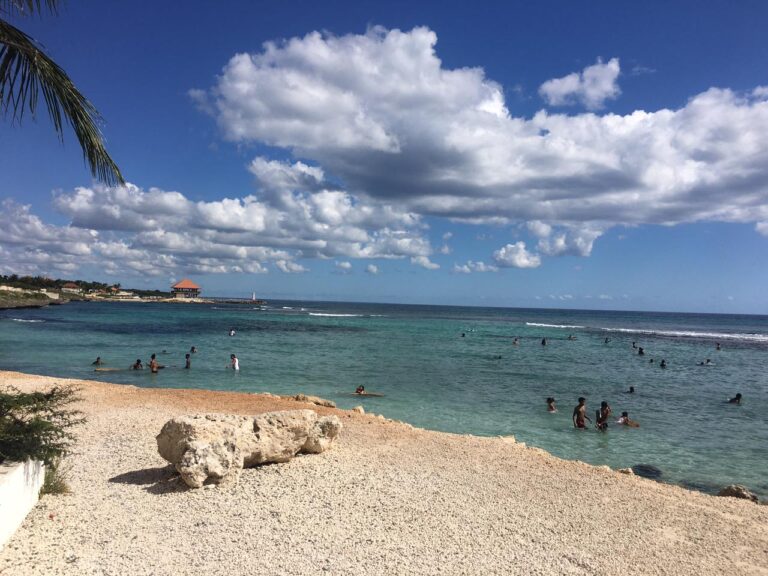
(388, 498)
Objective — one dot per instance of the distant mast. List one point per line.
(253, 296)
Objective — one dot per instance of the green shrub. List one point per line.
(38, 425)
(55, 481)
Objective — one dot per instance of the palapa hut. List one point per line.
(185, 289)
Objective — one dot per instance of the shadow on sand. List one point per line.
(159, 480)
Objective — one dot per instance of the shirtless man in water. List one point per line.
(580, 414)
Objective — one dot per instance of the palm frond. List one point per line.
(29, 7)
(25, 72)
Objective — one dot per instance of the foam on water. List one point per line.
(329, 315)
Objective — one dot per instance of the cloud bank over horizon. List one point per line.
(384, 139)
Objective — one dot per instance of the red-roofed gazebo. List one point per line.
(185, 288)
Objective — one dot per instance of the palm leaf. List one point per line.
(26, 71)
(28, 7)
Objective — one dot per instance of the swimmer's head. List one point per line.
(625, 414)
(603, 404)
(582, 399)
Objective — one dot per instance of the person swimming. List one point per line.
(137, 365)
(188, 361)
(717, 346)
(625, 420)
(193, 350)
(234, 362)
(663, 363)
(571, 337)
(736, 399)
(607, 340)
(708, 362)
(516, 341)
(640, 351)
(543, 341)
(580, 414)
(631, 390)
(602, 416)
(634, 344)
(96, 362)
(232, 332)
(360, 389)
(551, 405)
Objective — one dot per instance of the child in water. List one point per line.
(625, 420)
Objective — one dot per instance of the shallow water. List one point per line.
(434, 377)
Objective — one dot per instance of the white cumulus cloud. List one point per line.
(424, 262)
(380, 112)
(516, 256)
(472, 266)
(591, 87)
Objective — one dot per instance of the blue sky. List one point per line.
(564, 154)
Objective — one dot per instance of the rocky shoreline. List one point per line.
(386, 498)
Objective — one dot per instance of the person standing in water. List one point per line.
(580, 414)
(543, 341)
(736, 399)
(602, 416)
(234, 362)
(96, 362)
(153, 365)
(188, 363)
(137, 365)
(631, 390)
(551, 405)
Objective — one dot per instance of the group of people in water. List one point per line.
(154, 366)
(603, 415)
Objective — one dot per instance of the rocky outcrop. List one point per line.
(738, 491)
(315, 400)
(214, 448)
(647, 471)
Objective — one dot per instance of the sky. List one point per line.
(594, 155)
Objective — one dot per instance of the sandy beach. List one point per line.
(386, 499)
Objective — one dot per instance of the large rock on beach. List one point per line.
(738, 491)
(214, 448)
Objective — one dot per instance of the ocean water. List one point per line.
(453, 369)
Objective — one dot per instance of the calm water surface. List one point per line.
(434, 377)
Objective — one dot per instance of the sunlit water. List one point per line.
(434, 377)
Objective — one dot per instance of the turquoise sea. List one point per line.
(453, 369)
